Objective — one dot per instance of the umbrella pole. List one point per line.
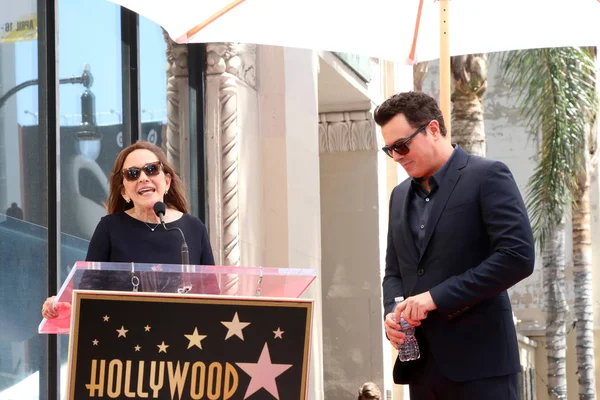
(445, 104)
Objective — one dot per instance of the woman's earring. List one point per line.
(127, 199)
(166, 191)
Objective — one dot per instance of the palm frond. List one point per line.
(557, 96)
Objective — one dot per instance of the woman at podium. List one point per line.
(143, 188)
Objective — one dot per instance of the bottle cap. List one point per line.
(404, 324)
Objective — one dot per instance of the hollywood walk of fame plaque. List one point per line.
(126, 345)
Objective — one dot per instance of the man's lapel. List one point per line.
(446, 188)
(407, 236)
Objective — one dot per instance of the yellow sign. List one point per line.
(18, 28)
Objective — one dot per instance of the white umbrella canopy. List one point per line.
(384, 29)
(379, 28)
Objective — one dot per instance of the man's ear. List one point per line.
(434, 127)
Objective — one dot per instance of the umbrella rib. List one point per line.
(413, 47)
(212, 19)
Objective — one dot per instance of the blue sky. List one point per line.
(89, 33)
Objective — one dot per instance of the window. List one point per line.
(91, 131)
(102, 99)
(90, 115)
(23, 215)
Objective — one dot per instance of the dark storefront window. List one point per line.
(153, 79)
(90, 127)
(23, 222)
(112, 68)
(89, 36)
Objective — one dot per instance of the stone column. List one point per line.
(230, 69)
(351, 252)
(292, 211)
(176, 141)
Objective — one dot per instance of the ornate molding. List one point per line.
(229, 146)
(230, 67)
(177, 93)
(226, 182)
(346, 131)
(237, 59)
(230, 64)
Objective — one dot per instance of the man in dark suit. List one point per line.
(458, 238)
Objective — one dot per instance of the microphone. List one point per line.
(160, 209)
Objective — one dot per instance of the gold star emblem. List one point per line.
(138, 347)
(162, 348)
(195, 339)
(95, 341)
(122, 332)
(235, 327)
(106, 318)
(278, 333)
(147, 328)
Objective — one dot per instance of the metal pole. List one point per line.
(445, 82)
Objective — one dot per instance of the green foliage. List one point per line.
(557, 96)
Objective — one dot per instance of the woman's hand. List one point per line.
(48, 310)
(61, 309)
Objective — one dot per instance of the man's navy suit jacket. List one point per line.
(478, 243)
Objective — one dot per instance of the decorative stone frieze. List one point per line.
(237, 59)
(347, 131)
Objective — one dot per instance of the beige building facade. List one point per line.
(295, 180)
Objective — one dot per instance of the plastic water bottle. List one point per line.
(409, 350)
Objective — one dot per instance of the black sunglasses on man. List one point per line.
(401, 146)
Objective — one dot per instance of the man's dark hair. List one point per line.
(418, 108)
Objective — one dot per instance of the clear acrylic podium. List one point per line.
(171, 278)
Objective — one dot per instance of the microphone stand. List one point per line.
(185, 261)
(185, 256)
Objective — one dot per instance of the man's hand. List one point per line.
(415, 308)
(392, 329)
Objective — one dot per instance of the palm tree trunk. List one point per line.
(419, 74)
(556, 312)
(469, 77)
(582, 272)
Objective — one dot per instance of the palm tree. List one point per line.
(582, 267)
(582, 276)
(557, 95)
(469, 82)
(419, 73)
